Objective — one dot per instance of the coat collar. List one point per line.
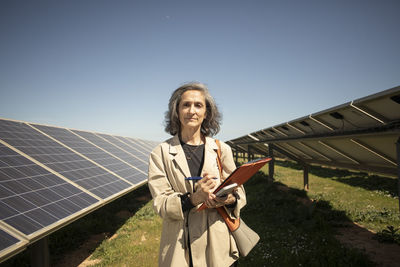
(210, 155)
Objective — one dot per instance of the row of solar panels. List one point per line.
(50, 176)
(360, 134)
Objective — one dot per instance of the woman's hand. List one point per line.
(215, 202)
(203, 191)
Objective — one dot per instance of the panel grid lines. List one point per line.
(129, 148)
(138, 157)
(49, 175)
(54, 155)
(118, 160)
(137, 145)
(26, 200)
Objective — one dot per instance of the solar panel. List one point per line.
(31, 197)
(10, 244)
(95, 153)
(149, 144)
(136, 143)
(50, 176)
(112, 157)
(7, 240)
(61, 159)
(102, 140)
(142, 155)
(360, 134)
(383, 105)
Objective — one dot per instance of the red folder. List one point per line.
(240, 175)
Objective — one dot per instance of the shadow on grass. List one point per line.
(103, 222)
(358, 179)
(294, 230)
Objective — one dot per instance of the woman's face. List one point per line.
(192, 109)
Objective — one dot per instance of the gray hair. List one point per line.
(211, 123)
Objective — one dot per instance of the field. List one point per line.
(297, 228)
(302, 228)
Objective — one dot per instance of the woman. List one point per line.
(190, 237)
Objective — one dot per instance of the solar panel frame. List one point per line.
(7, 240)
(381, 104)
(360, 134)
(10, 243)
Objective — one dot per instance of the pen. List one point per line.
(196, 178)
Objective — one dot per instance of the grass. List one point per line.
(297, 228)
(135, 243)
(369, 200)
(130, 213)
(294, 234)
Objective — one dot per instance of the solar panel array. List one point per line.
(360, 134)
(51, 176)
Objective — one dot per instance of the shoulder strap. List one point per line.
(232, 224)
(219, 162)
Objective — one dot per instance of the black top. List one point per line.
(195, 159)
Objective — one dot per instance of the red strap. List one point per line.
(232, 224)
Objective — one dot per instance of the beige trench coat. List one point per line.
(211, 241)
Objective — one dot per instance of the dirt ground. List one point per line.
(81, 256)
(383, 254)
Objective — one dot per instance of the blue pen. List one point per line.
(196, 178)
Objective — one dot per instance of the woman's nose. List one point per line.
(192, 109)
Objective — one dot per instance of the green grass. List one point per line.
(297, 228)
(136, 242)
(294, 234)
(369, 200)
(106, 221)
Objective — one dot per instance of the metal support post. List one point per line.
(40, 256)
(398, 169)
(305, 176)
(271, 164)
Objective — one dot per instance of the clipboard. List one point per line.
(240, 175)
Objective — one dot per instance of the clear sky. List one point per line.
(110, 66)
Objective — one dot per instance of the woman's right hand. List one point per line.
(204, 189)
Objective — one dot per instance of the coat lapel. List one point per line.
(178, 156)
(210, 165)
(210, 158)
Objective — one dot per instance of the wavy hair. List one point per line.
(211, 123)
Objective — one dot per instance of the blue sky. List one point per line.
(110, 66)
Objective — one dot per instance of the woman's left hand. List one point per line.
(215, 202)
